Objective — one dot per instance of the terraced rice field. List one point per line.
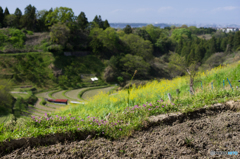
(39, 110)
(44, 94)
(89, 94)
(73, 94)
(59, 95)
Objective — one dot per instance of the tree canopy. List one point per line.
(61, 14)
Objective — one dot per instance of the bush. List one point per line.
(44, 102)
(55, 48)
(29, 32)
(32, 100)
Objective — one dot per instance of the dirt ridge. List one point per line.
(162, 119)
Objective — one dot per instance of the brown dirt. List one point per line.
(191, 136)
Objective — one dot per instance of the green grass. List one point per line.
(146, 101)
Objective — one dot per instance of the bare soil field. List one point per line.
(193, 136)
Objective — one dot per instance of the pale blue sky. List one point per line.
(146, 11)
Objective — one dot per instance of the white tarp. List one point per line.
(94, 79)
(77, 102)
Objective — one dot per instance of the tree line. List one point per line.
(42, 20)
(126, 50)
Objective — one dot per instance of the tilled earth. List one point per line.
(190, 139)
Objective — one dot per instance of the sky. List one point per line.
(143, 11)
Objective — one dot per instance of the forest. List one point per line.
(122, 51)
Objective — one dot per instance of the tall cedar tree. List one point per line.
(127, 29)
(98, 20)
(236, 40)
(82, 21)
(18, 14)
(1, 17)
(29, 19)
(106, 24)
(6, 13)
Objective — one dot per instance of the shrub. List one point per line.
(29, 32)
(44, 102)
(55, 48)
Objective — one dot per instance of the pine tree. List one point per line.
(82, 21)
(127, 29)
(223, 44)
(18, 14)
(1, 17)
(106, 24)
(6, 12)
(98, 20)
(179, 46)
(212, 46)
(236, 44)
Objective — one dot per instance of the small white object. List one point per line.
(94, 79)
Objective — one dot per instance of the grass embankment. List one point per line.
(149, 100)
(90, 93)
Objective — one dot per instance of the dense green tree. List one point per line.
(1, 17)
(223, 44)
(230, 43)
(191, 56)
(6, 99)
(184, 26)
(82, 21)
(183, 32)
(199, 53)
(236, 40)
(164, 44)
(59, 33)
(41, 17)
(185, 51)
(154, 32)
(127, 29)
(30, 68)
(98, 20)
(218, 44)
(106, 24)
(97, 46)
(142, 33)
(29, 20)
(11, 20)
(133, 62)
(179, 46)
(109, 38)
(6, 12)
(61, 14)
(18, 14)
(212, 45)
(138, 46)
